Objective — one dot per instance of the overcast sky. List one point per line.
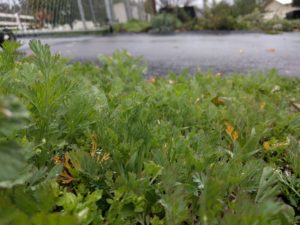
(285, 1)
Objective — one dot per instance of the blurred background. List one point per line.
(249, 48)
(38, 16)
(26, 16)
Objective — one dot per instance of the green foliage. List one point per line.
(219, 17)
(246, 16)
(268, 185)
(84, 208)
(251, 21)
(165, 23)
(8, 56)
(13, 117)
(82, 144)
(242, 15)
(244, 7)
(132, 26)
(44, 89)
(277, 25)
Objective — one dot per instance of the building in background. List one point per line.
(125, 10)
(279, 8)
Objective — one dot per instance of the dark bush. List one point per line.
(251, 21)
(244, 7)
(184, 14)
(219, 17)
(293, 15)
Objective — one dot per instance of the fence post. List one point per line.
(18, 20)
(140, 7)
(92, 11)
(81, 11)
(128, 9)
(154, 6)
(108, 8)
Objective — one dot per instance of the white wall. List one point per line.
(275, 9)
(120, 12)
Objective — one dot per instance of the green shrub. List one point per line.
(255, 21)
(179, 12)
(244, 7)
(276, 25)
(219, 17)
(165, 22)
(250, 21)
(132, 26)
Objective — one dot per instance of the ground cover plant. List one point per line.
(81, 144)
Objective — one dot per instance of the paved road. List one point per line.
(222, 53)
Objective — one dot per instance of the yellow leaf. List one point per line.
(56, 159)
(67, 161)
(282, 144)
(94, 146)
(262, 105)
(151, 80)
(66, 178)
(105, 157)
(266, 145)
(275, 144)
(271, 50)
(218, 101)
(229, 129)
(235, 135)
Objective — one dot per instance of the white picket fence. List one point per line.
(15, 21)
(75, 17)
(24, 24)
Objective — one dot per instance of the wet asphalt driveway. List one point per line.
(221, 53)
